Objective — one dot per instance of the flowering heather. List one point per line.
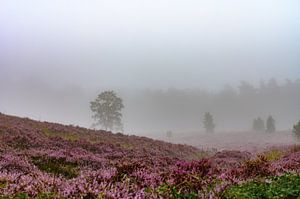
(46, 160)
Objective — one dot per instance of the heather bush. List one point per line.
(106, 165)
(257, 167)
(124, 169)
(191, 177)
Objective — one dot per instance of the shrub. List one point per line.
(257, 167)
(167, 191)
(285, 186)
(178, 194)
(190, 177)
(56, 166)
(124, 169)
(3, 184)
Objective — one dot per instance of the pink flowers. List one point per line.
(42, 158)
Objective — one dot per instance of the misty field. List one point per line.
(247, 140)
(48, 160)
(145, 99)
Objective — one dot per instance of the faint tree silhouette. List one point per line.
(296, 130)
(271, 125)
(107, 111)
(208, 122)
(258, 125)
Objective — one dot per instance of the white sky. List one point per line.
(149, 43)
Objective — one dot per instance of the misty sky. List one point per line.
(146, 43)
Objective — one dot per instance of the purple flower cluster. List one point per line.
(66, 161)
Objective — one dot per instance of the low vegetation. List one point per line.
(58, 167)
(285, 186)
(39, 160)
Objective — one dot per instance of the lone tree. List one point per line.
(169, 134)
(271, 125)
(258, 125)
(208, 122)
(106, 110)
(296, 130)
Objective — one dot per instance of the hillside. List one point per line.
(47, 160)
(38, 135)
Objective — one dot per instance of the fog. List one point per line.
(170, 61)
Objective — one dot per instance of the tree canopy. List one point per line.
(271, 125)
(258, 125)
(106, 110)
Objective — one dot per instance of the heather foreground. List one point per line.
(47, 160)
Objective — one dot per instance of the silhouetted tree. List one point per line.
(107, 110)
(169, 134)
(271, 125)
(258, 125)
(296, 130)
(208, 122)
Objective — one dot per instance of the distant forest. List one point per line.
(234, 108)
(154, 110)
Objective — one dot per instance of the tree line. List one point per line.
(107, 113)
(240, 104)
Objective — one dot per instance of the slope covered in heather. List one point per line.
(36, 135)
(47, 160)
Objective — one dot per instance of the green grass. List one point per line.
(56, 166)
(284, 187)
(66, 136)
(39, 196)
(273, 155)
(3, 184)
(127, 146)
(202, 154)
(165, 191)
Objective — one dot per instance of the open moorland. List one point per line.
(48, 160)
(251, 141)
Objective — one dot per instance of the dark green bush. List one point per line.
(179, 195)
(168, 191)
(40, 196)
(56, 166)
(285, 186)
